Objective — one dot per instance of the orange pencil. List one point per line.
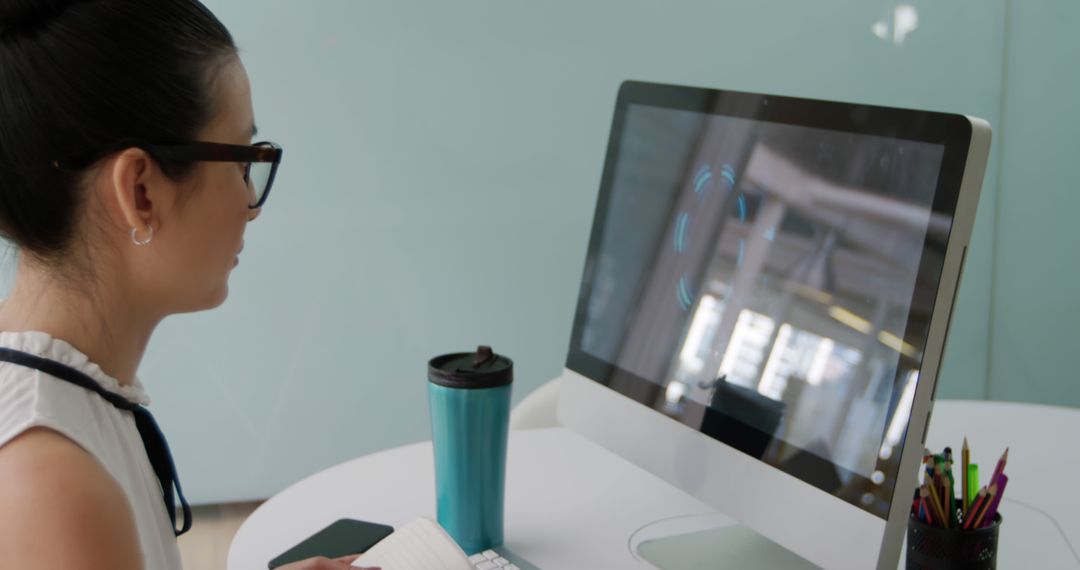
(939, 510)
(923, 493)
(986, 505)
(976, 506)
(943, 492)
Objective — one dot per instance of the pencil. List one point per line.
(935, 502)
(965, 462)
(923, 507)
(1000, 465)
(950, 501)
(976, 506)
(986, 505)
(943, 491)
(973, 483)
(992, 509)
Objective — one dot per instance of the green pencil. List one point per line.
(965, 477)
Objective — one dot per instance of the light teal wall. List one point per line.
(441, 167)
(442, 163)
(1036, 307)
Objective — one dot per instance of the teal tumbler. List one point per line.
(469, 402)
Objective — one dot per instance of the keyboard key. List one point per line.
(490, 554)
(476, 559)
(501, 561)
(486, 565)
(511, 567)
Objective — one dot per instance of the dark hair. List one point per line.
(80, 75)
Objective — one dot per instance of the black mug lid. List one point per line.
(480, 369)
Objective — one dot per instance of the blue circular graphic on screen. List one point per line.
(702, 183)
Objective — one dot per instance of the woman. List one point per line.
(127, 177)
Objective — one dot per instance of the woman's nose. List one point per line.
(254, 213)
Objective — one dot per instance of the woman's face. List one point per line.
(201, 234)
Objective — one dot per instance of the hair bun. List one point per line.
(20, 15)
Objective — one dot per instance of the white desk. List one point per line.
(571, 504)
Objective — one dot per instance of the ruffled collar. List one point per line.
(43, 345)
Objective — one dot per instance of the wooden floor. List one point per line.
(206, 545)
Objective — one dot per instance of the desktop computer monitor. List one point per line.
(765, 301)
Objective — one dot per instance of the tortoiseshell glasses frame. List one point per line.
(260, 160)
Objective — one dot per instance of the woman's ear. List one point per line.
(130, 191)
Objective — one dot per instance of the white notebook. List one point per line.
(419, 545)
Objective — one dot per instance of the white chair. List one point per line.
(537, 410)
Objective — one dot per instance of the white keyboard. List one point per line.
(491, 560)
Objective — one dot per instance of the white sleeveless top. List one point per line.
(30, 398)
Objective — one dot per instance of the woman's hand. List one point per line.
(324, 563)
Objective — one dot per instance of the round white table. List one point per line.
(572, 504)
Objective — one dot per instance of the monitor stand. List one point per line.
(698, 542)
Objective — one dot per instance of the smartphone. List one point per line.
(342, 538)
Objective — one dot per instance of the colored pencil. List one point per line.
(988, 519)
(965, 490)
(950, 500)
(935, 502)
(990, 494)
(976, 506)
(923, 493)
(1000, 466)
(942, 483)
(973, 484)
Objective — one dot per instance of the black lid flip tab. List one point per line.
(471, 370)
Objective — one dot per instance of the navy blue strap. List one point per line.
(157, 449)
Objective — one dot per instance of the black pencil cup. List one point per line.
(935, 548)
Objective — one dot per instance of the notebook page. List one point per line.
(419, 545)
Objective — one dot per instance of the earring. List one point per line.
(149, 235)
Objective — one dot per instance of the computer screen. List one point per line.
(765, 271)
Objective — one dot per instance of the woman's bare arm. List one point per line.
(60, 509)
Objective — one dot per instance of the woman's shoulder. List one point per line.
(61, 507)
(49, 347)
(31, 397)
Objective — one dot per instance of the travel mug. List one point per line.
(469, 402)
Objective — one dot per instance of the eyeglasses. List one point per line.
(260, 160)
